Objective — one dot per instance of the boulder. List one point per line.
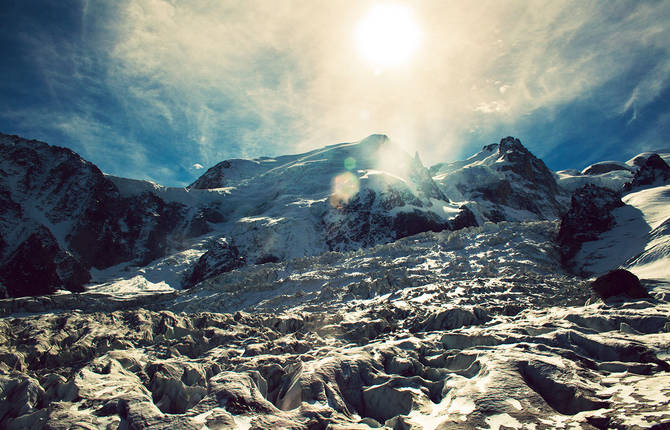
(619, 282)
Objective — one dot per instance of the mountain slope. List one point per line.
(503, 182)
(61, 217)
(341, 197)
(129, 236)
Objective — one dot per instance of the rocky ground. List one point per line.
(478, 328)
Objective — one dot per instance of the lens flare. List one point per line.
(343, 188)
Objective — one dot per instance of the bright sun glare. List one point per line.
(388, 35)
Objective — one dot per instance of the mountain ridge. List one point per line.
(340, 197)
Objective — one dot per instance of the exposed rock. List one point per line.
(619, 282)
(97, 227)
(590, 214)
(651, 169)
(229, 172)
(464, 219)
(38, 266)
(502, 182)
(220, 257)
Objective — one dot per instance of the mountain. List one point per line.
(341, 197)
(343, 288)
(503, 182)
(132, 235)
(61, 217)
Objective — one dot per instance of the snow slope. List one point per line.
(639, 242)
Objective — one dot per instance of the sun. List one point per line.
(388, 35)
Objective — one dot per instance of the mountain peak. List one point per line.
(375, 138)
(511, 143)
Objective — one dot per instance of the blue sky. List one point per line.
(153, 89)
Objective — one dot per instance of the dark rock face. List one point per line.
(115, 229)
(526, 165)
(221, 257)
(227, 173)
(60, 216)
(652, 169)
(463, 220)
(38, 266)
(600, 168)
(411, 223)
(619, 282)
(589, 215)
(267, 258)
(531, 185)
(367, 220)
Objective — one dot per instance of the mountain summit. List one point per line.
(503, 181)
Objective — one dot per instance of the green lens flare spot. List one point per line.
(350, 163)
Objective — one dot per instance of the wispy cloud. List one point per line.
(202, 80)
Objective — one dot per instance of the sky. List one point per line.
(162, 90)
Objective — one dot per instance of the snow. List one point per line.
(497, 421)
(632, 236)
(620, 164)
(189, 197)
(164, 275)
(663, 153)
(654, 203)
(614, 180)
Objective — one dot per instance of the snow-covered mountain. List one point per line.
(343, 288)
(114, 233)
(61, 217)
(503, 182)
(341, 197)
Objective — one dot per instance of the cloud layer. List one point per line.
(152, 88)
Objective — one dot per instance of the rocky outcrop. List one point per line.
(590, 214)
(528, 185)
(39, 266)
(604, 167)
(373, 217)
(220, 257)
(619, 282)
(518, 159)
(228, 173)
(651, 169)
